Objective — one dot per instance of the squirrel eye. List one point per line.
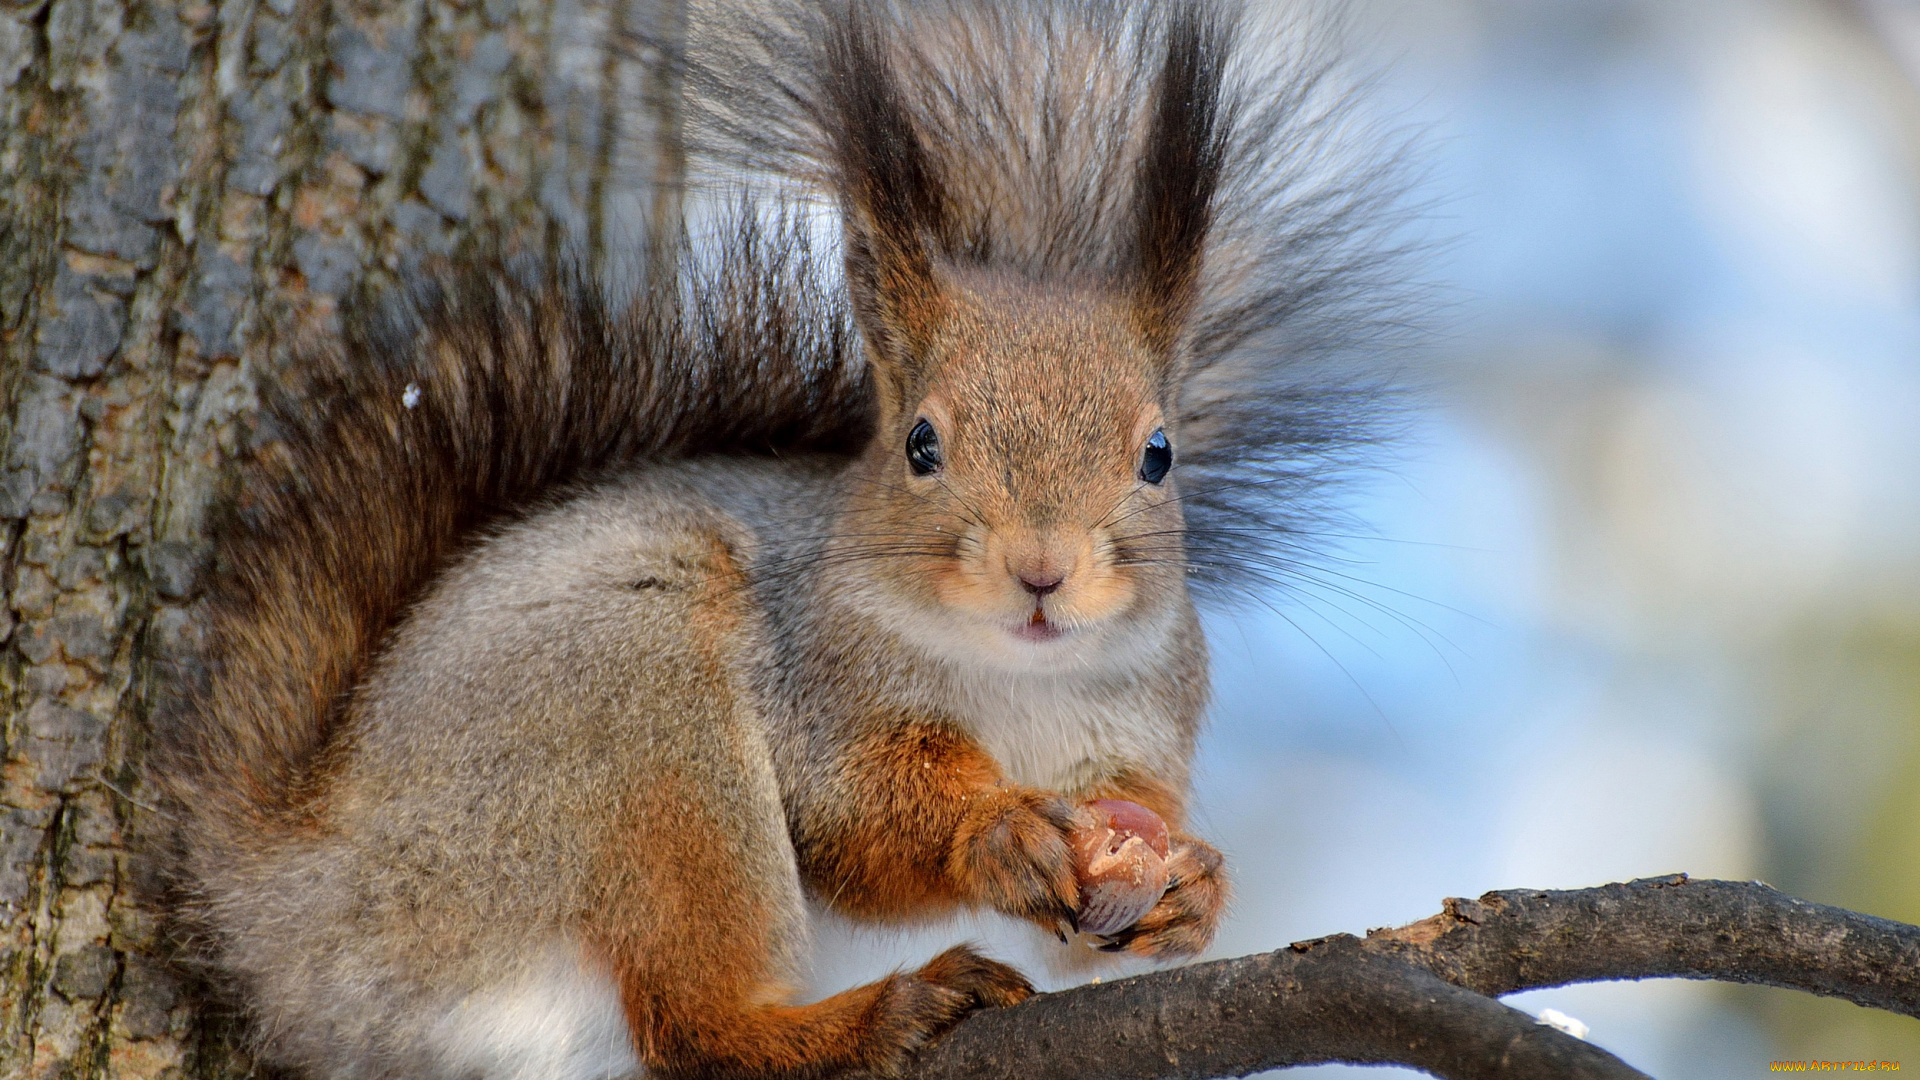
(923, 448)
(1156, 459)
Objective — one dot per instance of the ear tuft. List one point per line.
(895, 203)
(1180, 171)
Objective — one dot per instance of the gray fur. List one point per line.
(492, 747)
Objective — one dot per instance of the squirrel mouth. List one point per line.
(1038, 628)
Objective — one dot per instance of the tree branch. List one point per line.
(1338, 1001)
(1674, 927)
(1420, 995)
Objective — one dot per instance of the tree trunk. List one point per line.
(187, 190)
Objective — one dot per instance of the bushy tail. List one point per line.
(459, 404)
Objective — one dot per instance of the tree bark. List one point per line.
(185, 189)
(1336, 1002)
(1422, 995)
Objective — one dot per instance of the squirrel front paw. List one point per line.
(1011, 854)
(1183, 922)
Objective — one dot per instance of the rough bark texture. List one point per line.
(1730, 931)
(185, 188)
(1338, 1001)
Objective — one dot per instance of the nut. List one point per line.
(1120, 850)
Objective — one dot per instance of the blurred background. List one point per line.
(1641, 594)
(1646, 590)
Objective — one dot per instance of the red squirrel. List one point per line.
(563, 648)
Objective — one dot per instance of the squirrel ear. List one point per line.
(893, 200)
(1185, 152)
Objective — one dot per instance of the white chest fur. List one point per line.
(1062, 733)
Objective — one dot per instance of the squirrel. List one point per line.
(564, 647)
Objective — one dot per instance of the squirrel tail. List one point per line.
(441, 413)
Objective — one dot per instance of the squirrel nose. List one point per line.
(1041, 584)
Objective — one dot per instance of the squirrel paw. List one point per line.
(925, 1004)
(1012, 854)
(1183, 922)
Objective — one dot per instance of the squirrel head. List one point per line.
(1022, 480)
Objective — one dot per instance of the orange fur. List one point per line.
(927, 822)
(701, 982)
(695, 978)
